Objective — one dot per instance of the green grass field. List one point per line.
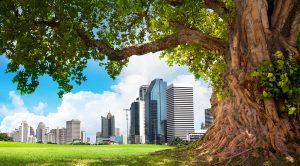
(13, 153)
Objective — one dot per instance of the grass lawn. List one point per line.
(14, 153)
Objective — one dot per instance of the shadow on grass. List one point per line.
(173, 157)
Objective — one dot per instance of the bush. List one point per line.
(80, 143)
(178, 142)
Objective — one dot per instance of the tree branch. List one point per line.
(183, 36)
(281, 13)
(54, 23)
(295, 27)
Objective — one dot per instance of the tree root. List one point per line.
(233, 156)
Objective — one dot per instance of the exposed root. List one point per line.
(233, 156)
(240, 126)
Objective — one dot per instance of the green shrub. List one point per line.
(280, 78)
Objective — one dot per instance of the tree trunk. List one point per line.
(244, 120)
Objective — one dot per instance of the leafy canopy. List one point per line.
(43, 37)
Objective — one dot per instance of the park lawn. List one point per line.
(15, 153)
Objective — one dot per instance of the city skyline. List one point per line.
(160, 114)
(83, 103)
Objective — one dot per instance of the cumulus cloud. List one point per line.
(39, 108)
(90, 106)
(17, 105)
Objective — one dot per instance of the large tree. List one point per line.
(246, 49)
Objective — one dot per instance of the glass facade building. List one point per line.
(208, 117)
(108, 126)
(156, 112)
(134, 119)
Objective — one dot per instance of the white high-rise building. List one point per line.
(62, 136)
(24, 131)
(16, 135)
(73, 130)
(53, 136)
(180, 111)
(31, 139)
(41, 132)
(83, 137)
(142, 122)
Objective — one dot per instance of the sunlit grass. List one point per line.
(49, 154)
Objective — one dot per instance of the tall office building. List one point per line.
(62, 136)
(53, 136)
(31, 131)
(41, 133)
(208, 117)
(16, 135)
(156, 112)
(31, 139)
(137, 122)
(24, 131)
(180, 108)
(108, 126)
(98, 137)
(83, 136)
(143, 91)
(134, 121)
(73, 130)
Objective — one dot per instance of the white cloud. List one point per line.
(16, 100)
(39, 108)
(89, 107)
(18, 105)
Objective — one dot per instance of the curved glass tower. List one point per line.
(156, 112)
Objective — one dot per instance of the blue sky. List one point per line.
(97, 82)
(95, 97)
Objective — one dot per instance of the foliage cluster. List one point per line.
(41, 38)
(81, 143)
(204, 64)
(179, 142)
(280, 78)
(5, 137)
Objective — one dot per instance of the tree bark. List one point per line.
(243, 120)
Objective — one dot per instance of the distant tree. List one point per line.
(246, 49)
(5, 137)
(178, 142)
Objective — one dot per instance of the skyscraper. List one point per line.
(208, 117)
(156, 112)
(53, 136)
(62, 138)
(24, 131)
(143, 91)
(98, 137)
(108, 126)
(16, 135)
(180, 108)
(137, 122)
(31, 131)
(73, 130)
(41, 133)
(83, 136)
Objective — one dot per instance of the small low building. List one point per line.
(198, 134)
